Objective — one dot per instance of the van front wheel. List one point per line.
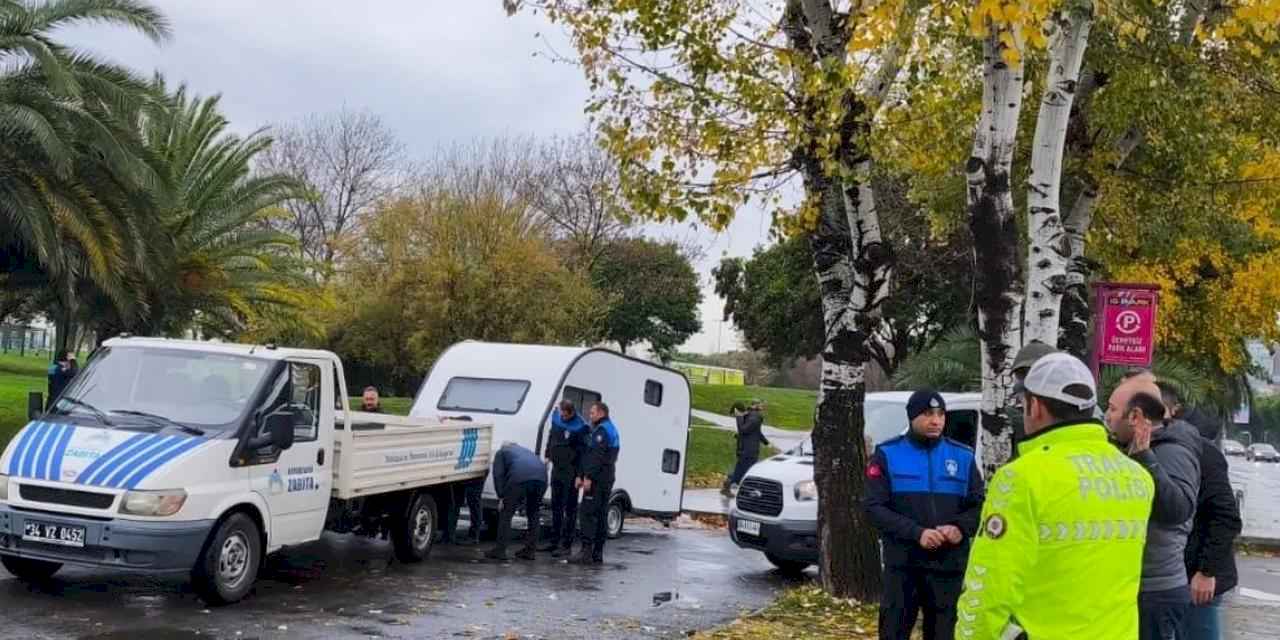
(787, 567)
(228, 566)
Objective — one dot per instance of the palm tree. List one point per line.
(73, 176)
(953, 363)
(221, 266)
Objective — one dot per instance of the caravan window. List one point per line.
(581, 398)
(653, 393)
(486, 395)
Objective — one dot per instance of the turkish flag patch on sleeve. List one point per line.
(874, 471)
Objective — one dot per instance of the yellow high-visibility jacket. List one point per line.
(1059, 547)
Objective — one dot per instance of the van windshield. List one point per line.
(165, 387)
(884, 420)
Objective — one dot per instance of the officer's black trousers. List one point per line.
(527, 495)
(564, 511)
(907, 590)
(594, 514)
(470, 494)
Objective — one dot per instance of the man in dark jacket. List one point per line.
(60, 375)
(595, 478)
(1170, 451)
(520, 479)
(564, 452)
(924, 495)
(1210, 558)
(750, 439)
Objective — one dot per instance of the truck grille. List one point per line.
(68, 497)
(757, 495)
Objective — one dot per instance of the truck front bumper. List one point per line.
(795, 540)
(156, 547)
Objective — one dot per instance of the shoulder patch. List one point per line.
(874, 471)
(995, 526)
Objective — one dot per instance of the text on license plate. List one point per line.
(748, 527)
(66, 535)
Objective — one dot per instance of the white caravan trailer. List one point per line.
(515, 386)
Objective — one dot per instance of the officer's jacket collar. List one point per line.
(1071, 431)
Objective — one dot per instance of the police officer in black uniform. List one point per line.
(564, 452)
(924, 495)
(595, 478)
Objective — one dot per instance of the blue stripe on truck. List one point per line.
(55, 465)
(15, 463)
(29, 456)
(107, 457)
(149, 468)
(42, 458)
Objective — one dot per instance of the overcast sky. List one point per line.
(436, 71)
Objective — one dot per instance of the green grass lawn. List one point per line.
(784, 408)
(18, 376)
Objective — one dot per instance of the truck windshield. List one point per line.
(130, 385)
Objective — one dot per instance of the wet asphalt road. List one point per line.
(656, 583)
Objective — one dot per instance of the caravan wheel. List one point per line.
(616, 517)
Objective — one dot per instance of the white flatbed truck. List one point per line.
(193, 457)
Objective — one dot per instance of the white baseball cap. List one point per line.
(1063, 377)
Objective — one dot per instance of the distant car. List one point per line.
(1262, 453)
(1232, 448)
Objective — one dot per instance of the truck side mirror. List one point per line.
(279, 432)
(35, 405)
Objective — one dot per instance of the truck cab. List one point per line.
(775, 510)
(192, 457)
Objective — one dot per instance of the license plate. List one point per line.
(65, 535)
(748, 527)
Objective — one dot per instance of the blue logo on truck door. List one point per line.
(467, 452)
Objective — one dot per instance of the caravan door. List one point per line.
(650, 407)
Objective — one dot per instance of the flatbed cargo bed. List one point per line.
(381, 453)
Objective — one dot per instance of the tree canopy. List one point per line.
(652, 294)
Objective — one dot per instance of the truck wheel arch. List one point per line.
(252, 506)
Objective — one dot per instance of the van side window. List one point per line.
(305, 402)
(337, 391)
(653, 393)
(297, 390)
(962, 426)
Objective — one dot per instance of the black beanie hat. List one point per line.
(924, 400)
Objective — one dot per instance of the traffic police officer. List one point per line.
(564, 452)
(595, 478)
(1059, 552)
(924, 493)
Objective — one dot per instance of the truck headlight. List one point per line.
(153, 503)
(4, 487)
(806, 491)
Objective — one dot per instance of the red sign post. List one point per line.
(1124, 324)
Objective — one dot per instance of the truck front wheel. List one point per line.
(412, 536)
(228, 565)
(28, 569)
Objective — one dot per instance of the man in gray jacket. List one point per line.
(520, 479)
(1170, 452)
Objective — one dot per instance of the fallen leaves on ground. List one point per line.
(806, 613)
(704, 479)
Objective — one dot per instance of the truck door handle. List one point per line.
(320, 457)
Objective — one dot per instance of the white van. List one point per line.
(776, 507)
(515, 386)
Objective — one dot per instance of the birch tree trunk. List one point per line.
(995, 234)
(1048, 249)
(852, 266)
(1073, 336)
